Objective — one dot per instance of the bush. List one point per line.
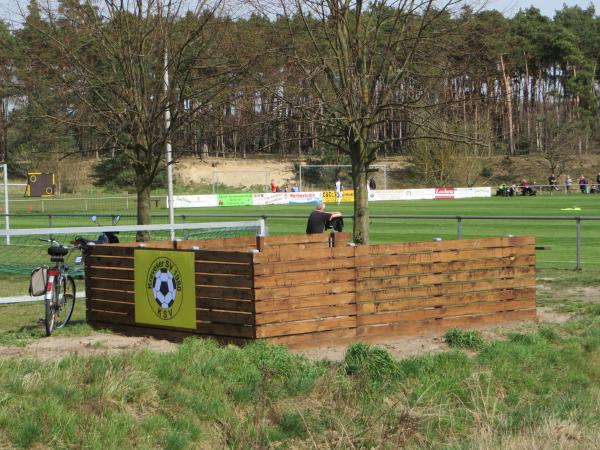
(471, 339)
(373, 362)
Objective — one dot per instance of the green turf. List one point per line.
(557, 237)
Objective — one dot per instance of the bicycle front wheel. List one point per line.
(65, 295)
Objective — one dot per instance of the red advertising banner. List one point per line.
(441, 193)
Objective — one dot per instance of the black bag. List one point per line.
(337, 224)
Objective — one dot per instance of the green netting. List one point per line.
(26, 252)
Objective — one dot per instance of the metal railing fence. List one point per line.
(565, 241)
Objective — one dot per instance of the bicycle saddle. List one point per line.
(58, 251)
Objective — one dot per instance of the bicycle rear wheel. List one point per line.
(50, 314)
(66, 300)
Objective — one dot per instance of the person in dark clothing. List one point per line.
(319, 219)
(372, 184)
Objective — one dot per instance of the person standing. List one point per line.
(598, 183)
(568, 184)
(338, 191)
(583, 184)
(273, 185)
(552, 182)
(318, 219)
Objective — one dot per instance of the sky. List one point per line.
(9, 8)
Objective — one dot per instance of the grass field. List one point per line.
(537, 387)
(557, 237)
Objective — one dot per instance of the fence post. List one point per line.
(458, 227)
(6, 205)
(578, 263)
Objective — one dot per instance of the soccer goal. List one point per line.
(322, 177)
(28, 247)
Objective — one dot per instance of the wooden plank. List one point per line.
(296, 279)
(115, 285)
(446, 256)
(443, 267)
(298, 314)
(443, 289)
(223, 268)
(207, 328)
(264, 269)
(305, 327)
(279, 254)
(223, 280)
(422, 280)
(111, 317)
(305, 290)
(224, 292)
(438, 326)
(162, 333)
(226, 317)
(112, 306)
(105, 294)
(433, 246)
(111, 273)
(403, 304)
(216, 303)
(291, 304)
(223, 256)
(417, 315)
(225, 304)
(222, 329)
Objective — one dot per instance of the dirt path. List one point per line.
(53, 348)
(96, 344)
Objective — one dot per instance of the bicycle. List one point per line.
(59, 299)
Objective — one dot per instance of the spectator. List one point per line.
(598, 183)
(372, 184)
(273, 185)
(583, 184)
(552, 183)
(568, 184)
(319, 219)
(525, 188)
(295, 188)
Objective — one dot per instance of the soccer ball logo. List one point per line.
(164, 289)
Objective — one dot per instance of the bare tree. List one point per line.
(363, 60)
(113, 58)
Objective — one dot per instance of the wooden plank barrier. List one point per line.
(310, 290)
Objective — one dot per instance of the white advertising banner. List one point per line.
(270, 198)
(429, 194)
(402, 194)
(472, 192)
(304, 197)
(195, 201)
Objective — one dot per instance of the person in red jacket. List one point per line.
(273, 186)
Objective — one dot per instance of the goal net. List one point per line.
(322, 177)
(24, 249)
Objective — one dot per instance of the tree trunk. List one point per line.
(361, 200)
(143, 206)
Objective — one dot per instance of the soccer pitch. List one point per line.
(558, 237)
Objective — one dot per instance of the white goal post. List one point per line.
(380, 167)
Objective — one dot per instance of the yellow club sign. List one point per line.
(165, 292)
